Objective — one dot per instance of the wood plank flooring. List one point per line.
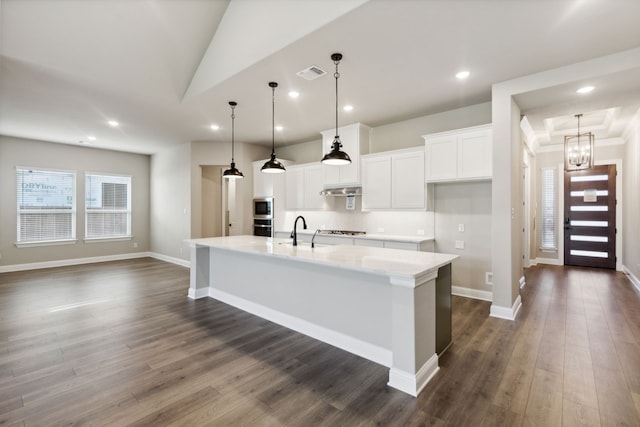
(119, 343)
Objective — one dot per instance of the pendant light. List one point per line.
(273, 165)
(232, 172)
(336, 156)
(578, 150)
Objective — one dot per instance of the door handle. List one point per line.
(567, 224)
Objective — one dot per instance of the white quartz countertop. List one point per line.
(389, 262)
(385, 237)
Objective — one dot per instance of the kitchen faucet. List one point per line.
(294, 233)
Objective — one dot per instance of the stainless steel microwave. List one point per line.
(263, 207)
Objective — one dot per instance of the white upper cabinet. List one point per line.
(303, 186)
(460, 155)
(393, 180)
(268, 184)
(355, 141)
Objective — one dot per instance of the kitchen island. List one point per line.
(378, 303)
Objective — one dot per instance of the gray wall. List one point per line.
(38, 154)
(467, 203)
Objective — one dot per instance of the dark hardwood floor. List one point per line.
(120, 343)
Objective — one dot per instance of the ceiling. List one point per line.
(166, 69)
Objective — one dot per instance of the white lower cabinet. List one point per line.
(394, 180)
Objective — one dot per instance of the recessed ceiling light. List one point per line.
(279, 128)
(463, 74)
(214, 127)
(294, 94)
(113, 123)
(348, 108)
(91, 138)
(585, 89)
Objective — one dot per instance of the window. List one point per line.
(46, 206)
(107, 206)
(549, 209)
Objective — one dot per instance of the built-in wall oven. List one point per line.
(263, 216)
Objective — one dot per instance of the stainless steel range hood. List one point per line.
(342, 191)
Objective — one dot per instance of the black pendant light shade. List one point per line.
(336, 156)
(273, 165)
(232, 172)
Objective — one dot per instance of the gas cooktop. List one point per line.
(343, 232)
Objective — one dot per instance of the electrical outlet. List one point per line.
(459, 244)
(461, 228)
(135, 244)
(420, 232)
(180, 250)
(380, 230)
(488, 278)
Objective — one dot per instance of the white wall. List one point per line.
(39, 154)
(631, 208)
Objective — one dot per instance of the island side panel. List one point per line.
(443, 309)
(199, 272)
(345, 308)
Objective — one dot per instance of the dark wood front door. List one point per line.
(590, 217)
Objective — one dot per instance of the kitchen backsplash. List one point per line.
(404, 223)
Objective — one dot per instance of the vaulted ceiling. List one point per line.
(166, 69)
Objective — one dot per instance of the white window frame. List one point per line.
(70, 208)
(90, 210)
(548, 209)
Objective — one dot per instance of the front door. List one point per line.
(590, 217)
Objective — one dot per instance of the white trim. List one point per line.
(33, 244)
(105, 239)
(74, 261)
(353, 345)
(608, 142)
(173, 260)
(472, 293)
(522, 282)
(410, 383)
(198, 293)
(508, 313)
(550, 261)
(634, 280)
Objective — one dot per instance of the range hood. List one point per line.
(342, 191)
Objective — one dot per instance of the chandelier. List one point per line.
(578, 150)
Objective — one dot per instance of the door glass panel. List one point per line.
(581, 193)
(590, 208)
(576, 237)
(589, 178)
(590, 223)
(594, 254)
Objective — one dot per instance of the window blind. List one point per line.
(46, 210)
(107, 206)
(549, 209)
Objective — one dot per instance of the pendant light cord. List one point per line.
(336, 75)
(273, 121)
(233, 119)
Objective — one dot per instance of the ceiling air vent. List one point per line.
(311, 73)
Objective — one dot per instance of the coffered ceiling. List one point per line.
(166, 69)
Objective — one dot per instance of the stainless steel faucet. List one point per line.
(294, 233)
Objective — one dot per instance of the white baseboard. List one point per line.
(634, 280)
(170, 259)
(533, 262)
(353, 345)
(413, 383)
(472, 293)
(508, 313)
(550, 261)
(522, 282)
(198, 293)
(74, 261)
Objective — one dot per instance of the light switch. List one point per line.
(459, 244)
(461, 228)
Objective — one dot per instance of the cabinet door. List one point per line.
(474, 155)
(441, 159)
(313, 184)
(294, 188)
(262, 182)
(407, 180)
(376, 182)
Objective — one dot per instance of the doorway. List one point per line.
(590, 217)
